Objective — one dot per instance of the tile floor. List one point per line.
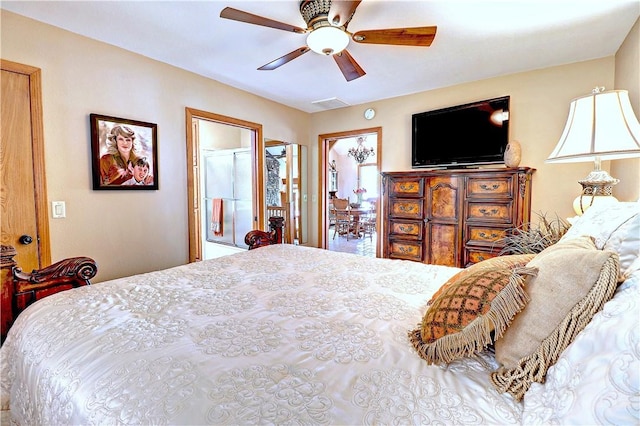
(362, 246)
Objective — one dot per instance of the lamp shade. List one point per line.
(601, 126)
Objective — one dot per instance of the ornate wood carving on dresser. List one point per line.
(20, 289)
(452, 217)
(257, 238)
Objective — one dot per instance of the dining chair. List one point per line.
(343, 221)
(368, 223)
(332, 214)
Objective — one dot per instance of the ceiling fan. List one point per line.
(327, 22)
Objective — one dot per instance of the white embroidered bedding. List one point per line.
(289, 335)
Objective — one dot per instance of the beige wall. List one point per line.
(133, 232)
(126, 232)
(539, 107)
(627, 77)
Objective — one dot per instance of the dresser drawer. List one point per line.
(490, 187)
(406, 187)
(473, 255)
(410, 209)
(490, 212)
(408, 250)
(484, 234)
(406, 229)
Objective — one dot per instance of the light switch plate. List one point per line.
(58, 209)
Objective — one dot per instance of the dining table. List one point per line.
(356, 213)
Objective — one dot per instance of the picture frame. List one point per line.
(124, 153)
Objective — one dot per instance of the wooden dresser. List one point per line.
(452, 217)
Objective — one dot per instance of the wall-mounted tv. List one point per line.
(461, 136)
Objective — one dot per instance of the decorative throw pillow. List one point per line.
(508, 261)
(460, 321)
(574, 281)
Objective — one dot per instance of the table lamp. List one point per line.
(600, 126)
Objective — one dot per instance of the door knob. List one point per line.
(26, 239)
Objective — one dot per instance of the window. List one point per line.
(368, 179)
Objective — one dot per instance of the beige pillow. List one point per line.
(574, 281)
(461, 319)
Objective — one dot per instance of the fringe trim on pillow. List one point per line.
(476, 336)
(533, 368)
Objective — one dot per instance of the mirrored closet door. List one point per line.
(285, 187)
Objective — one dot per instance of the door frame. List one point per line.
(324, 142)
(193, 172)
(38, 162)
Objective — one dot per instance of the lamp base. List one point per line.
(597, 188)
(584, 201)
(599, 179)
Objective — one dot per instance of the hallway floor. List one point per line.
(362, 246)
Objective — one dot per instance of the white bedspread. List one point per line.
(279, 335)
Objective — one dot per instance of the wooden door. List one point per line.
(23, 200)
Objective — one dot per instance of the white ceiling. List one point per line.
(476, 39)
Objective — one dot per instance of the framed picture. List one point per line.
(124, 153)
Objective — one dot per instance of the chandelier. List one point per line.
(360, 153)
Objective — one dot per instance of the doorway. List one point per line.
(334, 184)
(226, 191)
(199, 201)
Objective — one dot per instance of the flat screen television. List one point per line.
(461, 136)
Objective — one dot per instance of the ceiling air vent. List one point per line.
(330, 103)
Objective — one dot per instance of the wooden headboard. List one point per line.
(20, 289)
(256, 238)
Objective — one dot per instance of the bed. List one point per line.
(288, 334)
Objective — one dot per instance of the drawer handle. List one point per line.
(489, 187)
(491, 235)
(480, 258)
(405, 250)
(406, 228)
(405, 208)
(407, 186)
(489, 212)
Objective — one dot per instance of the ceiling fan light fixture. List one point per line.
(327, 40)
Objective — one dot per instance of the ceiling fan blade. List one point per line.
(341, 11)
(239, 15)
(349, 67)
(417, 36)
(284, 59)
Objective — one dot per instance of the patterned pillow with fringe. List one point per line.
(507, 261)
(462, 318)
(574, 281)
